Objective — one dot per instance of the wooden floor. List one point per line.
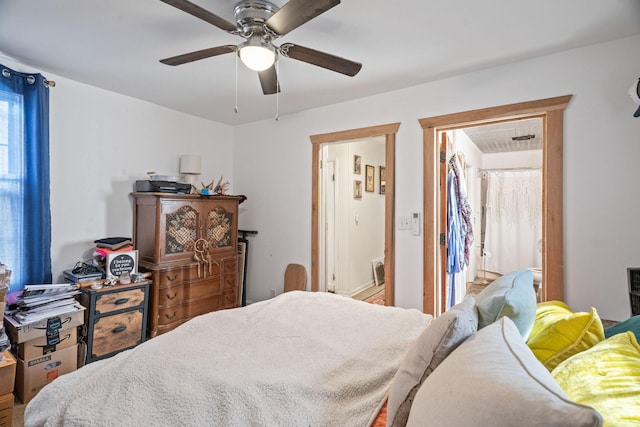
(18, 414)
(368, 292)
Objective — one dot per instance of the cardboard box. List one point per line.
(59, 340)
(19, 333)
(32, 375)
(7, 373)
(6, 410)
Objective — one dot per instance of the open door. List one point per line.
(444, 155)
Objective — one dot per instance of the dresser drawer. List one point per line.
(204, 271)
(114, 301)
(172, 317)
(179, 294)
(190, 309)
(171, 296)
(115, 318)
(230, 282)
(117, 332)
(172, 277)
(230, 299)
(231, 265)
(166, 278)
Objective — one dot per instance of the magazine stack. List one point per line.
(42, 325)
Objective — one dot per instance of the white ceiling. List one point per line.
(116, 45)
(516, 135)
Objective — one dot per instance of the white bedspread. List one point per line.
(301, 359)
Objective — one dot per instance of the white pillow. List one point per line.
(441, 337)
(493, 379)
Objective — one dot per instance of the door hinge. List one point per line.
(443, 156)
(442, 237)
(333, 177)
(320, 164)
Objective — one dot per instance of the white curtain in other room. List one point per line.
(513, 235)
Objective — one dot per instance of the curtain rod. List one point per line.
(510, 169)
(482, 173)
(29, 77)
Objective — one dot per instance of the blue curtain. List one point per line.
(25, 214)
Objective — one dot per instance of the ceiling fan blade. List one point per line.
(297, 12)
(269, 80)
(205, 15)
(199, 54)
(321, 59)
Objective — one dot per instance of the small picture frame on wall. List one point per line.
(383, 179)
(357, 164)
(370, 171)
(357, 189)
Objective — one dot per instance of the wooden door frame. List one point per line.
(389, 132)
(551, 110)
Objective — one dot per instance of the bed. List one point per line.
(302, 358)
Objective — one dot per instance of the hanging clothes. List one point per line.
(455, 241)
(464, 209)
(459, 228)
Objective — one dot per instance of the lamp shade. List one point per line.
(190, 164)
(256, 55)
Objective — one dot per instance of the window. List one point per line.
(25, 216)
(11, 182)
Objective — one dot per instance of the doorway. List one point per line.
(551, 110)
(351, 215)
(495, 171)
(387, 131)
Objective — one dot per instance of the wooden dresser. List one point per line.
(115, 318)
(189, 244)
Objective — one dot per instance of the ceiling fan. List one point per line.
(260, 22)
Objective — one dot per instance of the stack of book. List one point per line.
(109, 245)
(114, 244)
(39, 302)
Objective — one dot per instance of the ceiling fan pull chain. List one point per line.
(235, 109)
(277, 91)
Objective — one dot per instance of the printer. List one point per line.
(156, 186)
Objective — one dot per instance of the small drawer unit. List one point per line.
(116, 318)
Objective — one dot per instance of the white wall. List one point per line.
(365, 220)
(602, 146)
(100, 143)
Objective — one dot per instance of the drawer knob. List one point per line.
(169, 297)
(171, 279)
(171, 317)
(118, 329)
(121, 301)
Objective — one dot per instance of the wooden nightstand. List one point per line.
(116, 318)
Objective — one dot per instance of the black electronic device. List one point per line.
(153, 186)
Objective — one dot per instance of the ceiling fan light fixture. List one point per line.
(257, 56)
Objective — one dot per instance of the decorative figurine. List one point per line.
(222, 187)
(206, 189)
(202, 256)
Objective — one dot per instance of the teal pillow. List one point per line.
(631, 324)
(511, 295)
